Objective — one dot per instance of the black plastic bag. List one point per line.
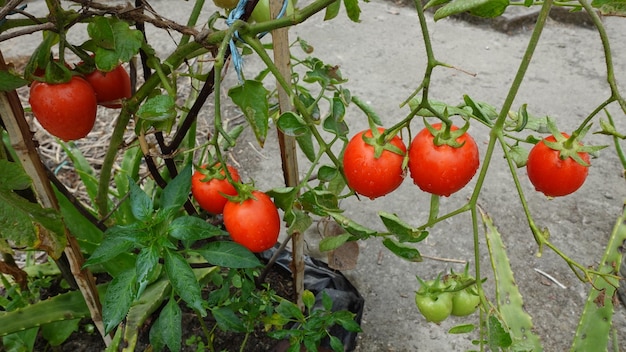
(318, 278)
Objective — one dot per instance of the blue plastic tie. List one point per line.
(233, 16)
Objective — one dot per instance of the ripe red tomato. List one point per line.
(110, 87)
(253, 223)
(370, 176)
(442, 170)
(552, 175)
(65, 110)
(209, 194)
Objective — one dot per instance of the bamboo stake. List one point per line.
(282, 59)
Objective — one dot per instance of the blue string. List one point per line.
(12, 12)
(233, 16)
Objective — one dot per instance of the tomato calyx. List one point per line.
(245, 191)
(381, 142)
(446, 135)
(570, 146)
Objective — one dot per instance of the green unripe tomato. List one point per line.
(434, 307)
(226, 4)
(464, 303)
(261, 12)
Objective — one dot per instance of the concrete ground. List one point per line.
(383, 58)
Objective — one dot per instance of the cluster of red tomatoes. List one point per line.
(253, 222)
(68, 110)
(374, 170)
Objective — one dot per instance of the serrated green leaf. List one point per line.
(117, 240)
(183, 280)
(252, 98)
(101, 32)
(405, 252)
(228, 254)
(9, 81)
(118, 299)
(498, 336)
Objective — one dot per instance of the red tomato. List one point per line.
(442, 170)
(65, 110)
(370, 176)
(253, 223)
(552, 175)
(209, 194)
(110, 87)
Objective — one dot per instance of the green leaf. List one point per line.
(228, 254)
(405, 252)
(147, 266)
(158, 108)
(191, 229)
(519, 155)
(403, 231)
(319, 201)
(298, 221)
(292, 125)
(305, 142)
(333, 242)
(141, 204)
(334, 122)
(183, 280)
(332, 10)
(101, 32)
(308, 299)
(610, 7)
(358, 230)
(284, 197)
(481, 8)
(9, 81)
(84, 169)
(498, 336)
(322, 73)
(13, 176)
(336, 344)
(251, 97)
(128, 172)
(483, 111)
(462, 329)
(289, 310)
(353, 10)
(16, 224)
(170, 325)
(20, 341)
(176, 193)
(57, 332)
(227, 320)
(117, 240)
(118, 299)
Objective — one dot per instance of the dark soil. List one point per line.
(85, 340)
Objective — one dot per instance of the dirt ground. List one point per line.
(383, 58)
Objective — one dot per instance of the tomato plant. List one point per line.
(553, 174)
(65, 110)
(371, 169)
(254, 222)
(110, 87)
(442, 169)
(208, 189)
